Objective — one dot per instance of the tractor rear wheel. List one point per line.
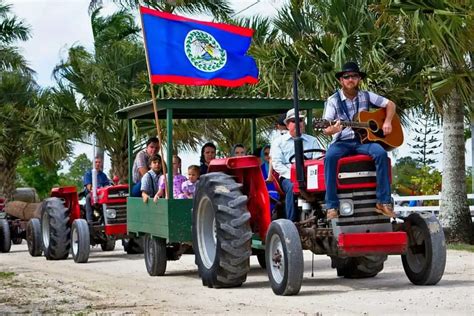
(33, 237)
(5, 239)
(55, 229)
(108, 244)
(80, 241)
(284, 257)
(221, 231)
(360, 267)
(155, 255)
(425, 259)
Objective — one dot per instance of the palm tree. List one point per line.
(109, 79)
(217, 8)
(439, 35)
(16, 110)
(11, 30)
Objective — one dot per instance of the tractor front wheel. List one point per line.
(55, 229)
(80, 240)
(155, 255)
(5, 239)
(33, 237)
(221, 231)
(108, 244)
(425, 259)
(284, 257)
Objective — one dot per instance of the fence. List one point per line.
(404, 210)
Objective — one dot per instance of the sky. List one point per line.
(56, 25)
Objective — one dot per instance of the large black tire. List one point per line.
(33, 237)
(425, 259)
(80, 241)
(5, 240)
(221, 231)
(55, 229)
(108, 244)
(155, 255)
(359, 267)
(284, 257)
(133, 246)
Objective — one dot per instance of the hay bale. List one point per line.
(28, 195)
(23, 210)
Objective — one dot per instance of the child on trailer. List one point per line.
(189, 186)
(150, 181)
(178, 180)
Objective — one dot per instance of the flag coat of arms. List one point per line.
(190, 52)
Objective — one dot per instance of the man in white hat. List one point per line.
(282, 148)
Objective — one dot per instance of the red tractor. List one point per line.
(231, 206)
(62, 225)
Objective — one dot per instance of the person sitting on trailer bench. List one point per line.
(281, 150)
(141, 163)
(102, 181)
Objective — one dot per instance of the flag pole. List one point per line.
(155, 109)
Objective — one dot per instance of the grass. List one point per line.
(463, 247)
(6, 275)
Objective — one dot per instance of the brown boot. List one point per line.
(385, 209)
(331, 213)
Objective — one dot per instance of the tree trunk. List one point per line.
(120, 165)
(454, 214)
(7, 177)
(472, 152)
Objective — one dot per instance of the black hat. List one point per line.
(350, 67)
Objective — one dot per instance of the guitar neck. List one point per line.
(352, 124)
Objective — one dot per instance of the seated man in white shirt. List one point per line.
(282, 148)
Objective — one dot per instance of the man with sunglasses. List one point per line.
(281, 150)
(342, 106)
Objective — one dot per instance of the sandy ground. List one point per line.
(116, 283)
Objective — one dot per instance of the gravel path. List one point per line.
(116, 283)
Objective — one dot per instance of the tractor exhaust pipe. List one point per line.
(299, 161)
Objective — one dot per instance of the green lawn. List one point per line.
(464, 247)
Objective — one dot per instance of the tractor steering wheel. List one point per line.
(314, 150)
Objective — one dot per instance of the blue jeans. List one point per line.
(344, 148)
(287, 187)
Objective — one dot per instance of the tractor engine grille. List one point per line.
(117, 193)
(121, 214)
(365, 219)
(357, 172)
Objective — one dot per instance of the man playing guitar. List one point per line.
(343, 106)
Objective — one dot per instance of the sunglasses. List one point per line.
(351, 76)
(293, 120)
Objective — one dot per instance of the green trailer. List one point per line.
(167, 225)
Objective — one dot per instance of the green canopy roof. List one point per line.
(217, 107)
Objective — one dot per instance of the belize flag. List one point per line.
(191, 52)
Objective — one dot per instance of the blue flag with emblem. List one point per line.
(190, 52)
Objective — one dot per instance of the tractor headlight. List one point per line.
(111, 213)
(346, 207)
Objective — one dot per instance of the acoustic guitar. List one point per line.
(369, 127)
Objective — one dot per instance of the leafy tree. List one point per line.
(31, 172)
(404, 170)
(78, 168)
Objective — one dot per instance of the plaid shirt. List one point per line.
(333, 112)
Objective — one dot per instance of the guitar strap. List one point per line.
(343, 109)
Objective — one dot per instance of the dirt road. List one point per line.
(116, 283)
